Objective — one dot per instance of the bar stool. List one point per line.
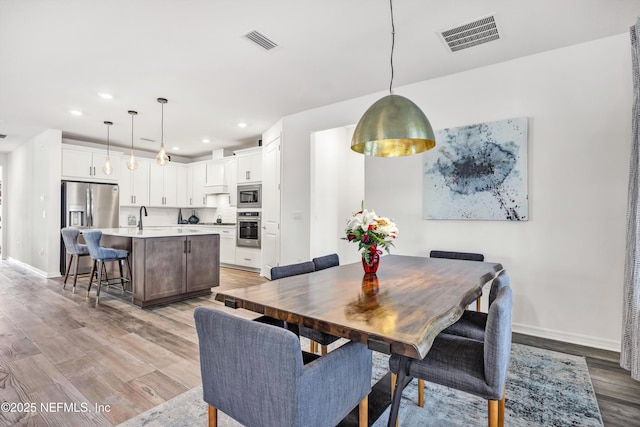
(75, 249)
(100, 255)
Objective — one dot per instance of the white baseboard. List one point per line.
(34, 269)
(589, 341)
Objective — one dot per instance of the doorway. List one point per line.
(337, 189)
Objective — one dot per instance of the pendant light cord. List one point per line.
(132, 133)
(393, 42)
(162, 124)
(107, 146)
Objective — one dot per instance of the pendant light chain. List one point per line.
(107, 168)
(393, 43)
(162, 124)
(131, 132)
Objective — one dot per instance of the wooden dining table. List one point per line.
(398, 310)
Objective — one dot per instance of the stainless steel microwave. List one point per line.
(250, 196)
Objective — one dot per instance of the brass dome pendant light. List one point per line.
(132, 163)
(162, 158)
(393, 126)
(107, 169)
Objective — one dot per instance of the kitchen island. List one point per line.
(168, 263)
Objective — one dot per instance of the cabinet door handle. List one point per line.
(189, 246)
(94, 171)
(247, 175)
(204, 200)
(185, 246)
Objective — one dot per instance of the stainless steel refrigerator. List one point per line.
(87, 205)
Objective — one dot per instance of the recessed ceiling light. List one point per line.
(206, 141)
(105, 95)
(75, 112)
(242, 125)
(175, 148)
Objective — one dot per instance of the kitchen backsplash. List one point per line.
(169, 216)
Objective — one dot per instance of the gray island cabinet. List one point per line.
(169, 263)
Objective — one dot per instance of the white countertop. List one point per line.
(154, 231)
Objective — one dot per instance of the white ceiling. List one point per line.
(57, 55)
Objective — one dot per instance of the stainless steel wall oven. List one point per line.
(248, 229)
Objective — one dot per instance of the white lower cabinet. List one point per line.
(227, 244)
(248, 257)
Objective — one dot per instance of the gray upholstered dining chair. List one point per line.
(327, 261)
(475, 367)
(464, 256)
(269, 385)
(316, 337)
(472, 324)
(101, 255)
(291, 270)
(75, 249)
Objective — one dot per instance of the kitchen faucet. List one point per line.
(145, 214)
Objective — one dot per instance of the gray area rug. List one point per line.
(544, 388)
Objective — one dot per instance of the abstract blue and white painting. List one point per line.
(478, 172)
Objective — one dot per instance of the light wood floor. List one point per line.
(58, 348)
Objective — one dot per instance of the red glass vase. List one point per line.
(374, 260)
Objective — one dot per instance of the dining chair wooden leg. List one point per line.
(66, 275)
(121, 274)
(104, 271)
(421, 393)
(323, 350)
(363, 412)
(493, 413)
(99, 268)
(93, 271)
(75, 273)
(478, 304)
(130, 275)
(213, 416)
(394, 378)
(501, 408)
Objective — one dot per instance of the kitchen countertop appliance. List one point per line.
(87, 205)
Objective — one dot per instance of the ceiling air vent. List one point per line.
(469, 34)
(2, 136)
(260, 39)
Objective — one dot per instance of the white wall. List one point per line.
(32, 196)
(566, 263)
(337, 183)
(3, 177)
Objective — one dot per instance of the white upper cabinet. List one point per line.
(163, 186)
(249, 165)
(196, 181)
(86, 164)
(134, 184)
(182, 198)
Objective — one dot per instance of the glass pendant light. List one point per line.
(393, 126)
(162, 158)
(107, 169)
(132, 163)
